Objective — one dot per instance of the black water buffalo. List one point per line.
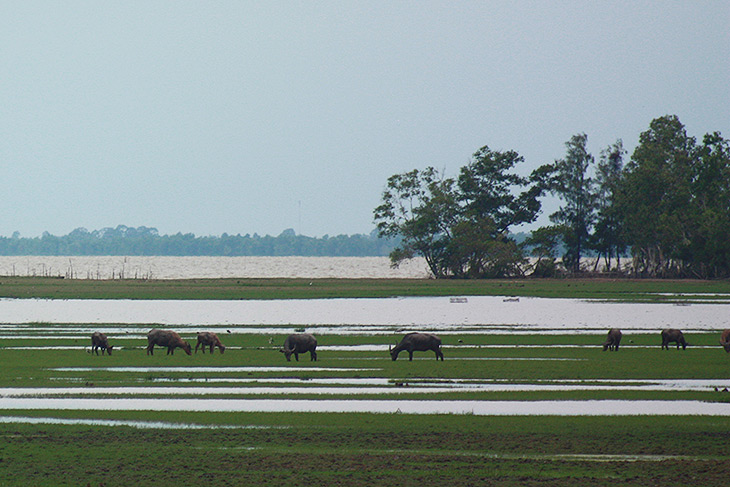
(418, 342)
(165, 338)
(299, 343)
(725, 340)
(672, 335)
(613, 340)
(209, 339)
(99, 340)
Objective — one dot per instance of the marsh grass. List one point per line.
(643, 290)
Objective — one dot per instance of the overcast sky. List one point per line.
(254, 117)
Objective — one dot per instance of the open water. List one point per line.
(115, 267)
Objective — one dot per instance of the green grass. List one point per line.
(359, 450)
(616, 289)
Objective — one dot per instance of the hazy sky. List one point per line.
(253, 117)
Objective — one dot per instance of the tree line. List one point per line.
(665, 210)
(146, 241)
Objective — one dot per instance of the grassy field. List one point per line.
(615, 289)
(219, 448)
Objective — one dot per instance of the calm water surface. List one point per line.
(492, 408)
(113, 267)
(478, 314)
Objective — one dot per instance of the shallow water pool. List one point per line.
(492, 408)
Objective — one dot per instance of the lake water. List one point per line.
(113, 267)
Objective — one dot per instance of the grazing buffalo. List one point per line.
(613, 340)
(672, 335)
(417, 342)
(725, 340)
(99, 340)
(299, 343)
(165, 338)
(209, 339)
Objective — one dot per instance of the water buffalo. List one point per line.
(209, 339)
(725, 340)
(613, 340)
(299, 343)
(165, 338)
(672, 335)
(99, 340)
(417, 342)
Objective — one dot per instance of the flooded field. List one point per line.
(478, 314)
(356, 369)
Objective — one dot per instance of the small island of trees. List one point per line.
(666, 210)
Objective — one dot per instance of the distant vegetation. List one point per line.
(124, 240)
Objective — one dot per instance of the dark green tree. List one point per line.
(489, 188)
(569, 180)
(420, 208)
(608, 238)
(655, 199)
(461, 227)
(544, 243)
(493, 200)
(710, 210)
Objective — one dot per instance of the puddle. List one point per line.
(356, 386)
(270, 380)
(117, 422)
(491, 408)
(201, 391)
(211, 369)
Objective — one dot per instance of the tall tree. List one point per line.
(608, 239)
(494, 198)
(568, 179)
(655, 198)
(710, 210)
